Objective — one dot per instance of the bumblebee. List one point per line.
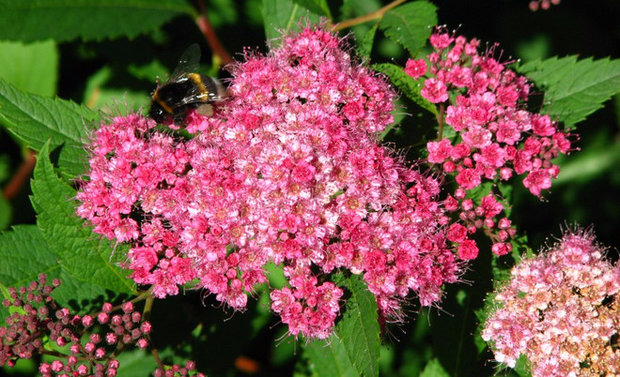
(185, 89)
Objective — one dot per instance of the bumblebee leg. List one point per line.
(179, 116)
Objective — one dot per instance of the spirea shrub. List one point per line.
(288, 171)
(337, 189)
(561, 309)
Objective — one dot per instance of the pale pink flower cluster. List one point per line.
(561, 309)
(288, 171)
(496, 136)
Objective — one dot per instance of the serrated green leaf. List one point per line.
(285, 16)
(34, 120)
(24, 254)
(410, 24)
(353, 349)
(82, 253)
(434, 369)
(6, 212)
(364, 45)
(408, 86)
(574, 89)
(32, 68)
(65, 20)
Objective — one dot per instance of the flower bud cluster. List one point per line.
(288, 170)
(90, 339)
(189, 369)
(561, 309)
(542, 4)
(496, 136)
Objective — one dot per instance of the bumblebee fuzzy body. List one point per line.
(185, 89)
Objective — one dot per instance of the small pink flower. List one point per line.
(490, 206)
(468, 250)
(438, 151)
(435, 91)
(477, 137)
(415, 68)
(468, 178)
(537, 180)
(542, 125)
(457, 233)
(441, 40)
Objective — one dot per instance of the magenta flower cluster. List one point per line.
(561, 309)
(287, 171)
(496, 136)
(91, 340)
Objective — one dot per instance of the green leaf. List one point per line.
(32, 68)
(34, 120)
(319, 7)
(410, 24)
(480, 191)
(408, 86)
(82, 253)
(285, 16)
(364, 45)
(574, 89)
(6, 212)
(434, 369)
(505, 196)
(353, 349)
(356, 8)
(65, 20)
(136, 363)
(112, 101)
(596, 158)
(24, 254)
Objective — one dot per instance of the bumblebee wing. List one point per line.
(188, 62)
(201, 89)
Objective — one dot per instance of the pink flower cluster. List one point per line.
(496, 136)
(288, 171)
(561, 309)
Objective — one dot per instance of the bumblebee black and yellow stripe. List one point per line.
(162, 103)
(198, 81)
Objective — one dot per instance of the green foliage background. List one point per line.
(102, 58)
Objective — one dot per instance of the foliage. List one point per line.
(103, 58)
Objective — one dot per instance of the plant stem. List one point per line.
(148, 305)
(440, 120)
(203, 23)
(367, 17)
(157, 359)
